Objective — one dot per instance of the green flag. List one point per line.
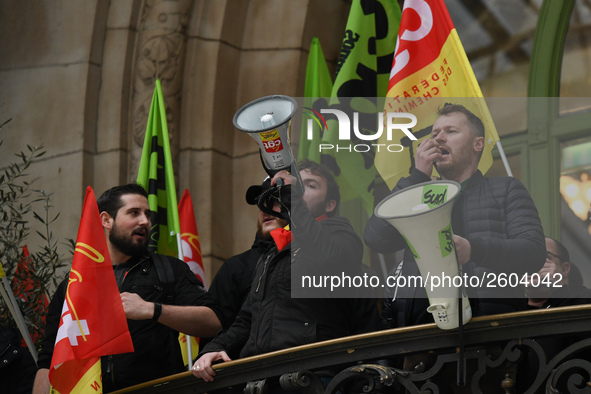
(156, 176)
(318, 88)
(363, 71)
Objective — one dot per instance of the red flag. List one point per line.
(430, 63)
(93, 322)
(190, 236)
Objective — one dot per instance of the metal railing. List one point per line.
(524, 352)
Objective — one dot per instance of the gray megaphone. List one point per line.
(422, 214)
(267, 120)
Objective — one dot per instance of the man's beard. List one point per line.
(266, 235)
(125, 243)
(318, 209)
(459, 161)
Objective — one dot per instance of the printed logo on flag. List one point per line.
(192, 254)
(72, 327)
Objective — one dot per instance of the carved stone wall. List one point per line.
(159, 54)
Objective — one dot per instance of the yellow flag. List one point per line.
(430, 68)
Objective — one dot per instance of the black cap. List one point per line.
(254, 192)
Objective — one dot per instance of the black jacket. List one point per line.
(156, 347)
(273, 318)
(501, 222)
(568, 295)
(17, 366)
(231, 284)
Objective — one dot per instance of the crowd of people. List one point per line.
(254, 304)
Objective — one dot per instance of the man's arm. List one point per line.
(199, 321)
(41, 385)
(230, 341)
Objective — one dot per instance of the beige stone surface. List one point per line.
(114, 95)
(199, 92)
(123, 15)
(47, 105)
(63, 177)
(274, 24)
(109, 169)
(208, 18)
(38, 33)
(326, 20)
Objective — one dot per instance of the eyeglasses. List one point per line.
(548, 254)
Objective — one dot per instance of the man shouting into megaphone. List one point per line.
(495, 223)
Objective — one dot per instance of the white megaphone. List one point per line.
(267, 120)
(422, 214)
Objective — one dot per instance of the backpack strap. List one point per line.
(165, 275)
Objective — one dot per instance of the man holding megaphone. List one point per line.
(495, 224)
(275, 315)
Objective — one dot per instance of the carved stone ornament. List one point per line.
(160, 53)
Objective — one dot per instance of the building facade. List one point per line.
(78, 77)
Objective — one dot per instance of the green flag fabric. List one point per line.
(156, 176)
(363, 72)
(318, 88)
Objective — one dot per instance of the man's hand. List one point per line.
(202, 367)
(427, 152)
(136, 308)
(285, 176)
(551, 274)
(463, 249)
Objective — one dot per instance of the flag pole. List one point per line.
(504, 158)
(16, 313)
(181, 257)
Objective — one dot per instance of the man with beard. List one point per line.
(156, 311)
(231, 284)
(271, 318)
(495, 223)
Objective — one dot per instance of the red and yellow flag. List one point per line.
(192, 255)
(190, 236)
(93, 322)
(430, 67)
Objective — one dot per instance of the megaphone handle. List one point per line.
(264, 164)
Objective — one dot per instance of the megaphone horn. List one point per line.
(422, 214)
(267, 120)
